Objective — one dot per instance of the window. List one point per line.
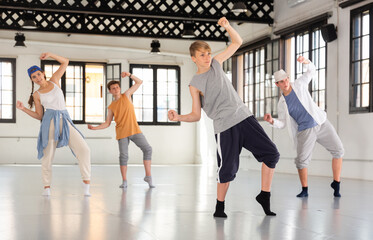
(7, 90)
(272, 65)
(260, 93)
(360, 64)
(159, 93)
(310, 44)
(227, 68)
(84, 86)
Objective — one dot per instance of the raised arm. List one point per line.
(235, 44)
(38, 113)
(135, 86)
(309, 74)
(104, 125)
(61, 70)
(195, 115)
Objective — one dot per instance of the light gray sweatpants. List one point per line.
(324, 135)
(140, 141)
(77, 144)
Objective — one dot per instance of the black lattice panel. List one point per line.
(160, 19)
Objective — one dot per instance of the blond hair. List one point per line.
(198, 45)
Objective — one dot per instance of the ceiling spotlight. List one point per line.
(155, 45)
(188, 30)
(20, 40)
(239, 7)
(29, 20)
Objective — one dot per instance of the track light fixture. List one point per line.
(20, 40)
(188, 30)
(29, 20)
(239, 7)
(155, 45)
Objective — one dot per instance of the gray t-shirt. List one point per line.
(220, 101)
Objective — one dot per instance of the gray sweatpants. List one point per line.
(140, 141)
(324, 135)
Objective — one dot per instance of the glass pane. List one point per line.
(322, 58)
(269, 51)
(6, 97)
(137, 100)
(246, 94)
(109, 72)
(70, 72)
(356, 73)
(148, 115)
(268, 105)
(172, 88)
(162, 75)
(172, 75)
(356, 49)
(172, 102)
(147, 88)
(138, 113)
(306, 42)
(365, 23)
(275, 49)
(251, 92)
(322, 79)
(365, 71)
(6, 83)
(356, 26)
(6, 112)
(148, 101)
(365, 47)
(116, 73)
(275, 66)
(269, 68)
(162, 115)
(69, 85)
(162, 88)
(356, 99)
(365, 95)
(70, 99)
(78, 99)
(78, 85)
(162, 102)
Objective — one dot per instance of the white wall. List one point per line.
(171, 144)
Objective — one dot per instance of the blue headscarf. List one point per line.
(33, 69)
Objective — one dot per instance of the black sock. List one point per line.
(263, 199)
(335, 186)
(304, 192)
(219, 209)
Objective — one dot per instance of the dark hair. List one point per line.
(31, 99)
(112, 83)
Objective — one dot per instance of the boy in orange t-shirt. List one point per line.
(127, 128)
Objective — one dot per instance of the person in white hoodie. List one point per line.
(307, 124)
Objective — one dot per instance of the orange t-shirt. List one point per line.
(124, 117)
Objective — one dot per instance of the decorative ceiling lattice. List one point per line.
(141, 18)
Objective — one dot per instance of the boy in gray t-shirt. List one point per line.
(234, 125)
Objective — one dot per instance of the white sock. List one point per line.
(124, 184)
(86, 190)
(46, 192)
(149, 180)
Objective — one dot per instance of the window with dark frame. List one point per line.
(7, 90)
(260, 93)
(84, 87)
(308, 43)
(159, 93)
(361, 46)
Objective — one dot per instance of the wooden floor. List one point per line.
(180, 207)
